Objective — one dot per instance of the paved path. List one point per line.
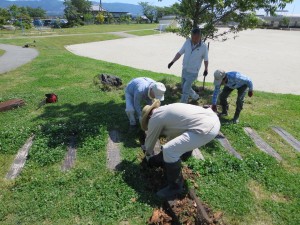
(15, 57)
(269, 57)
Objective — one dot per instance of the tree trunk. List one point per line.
(196, 14)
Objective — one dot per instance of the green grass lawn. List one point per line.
(2, 52)
(77, 30)
(257, 190)
(143, 32)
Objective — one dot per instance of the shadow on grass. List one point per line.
(144, 180)
(84, 120)
(173, 93)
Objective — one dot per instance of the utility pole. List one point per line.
(100, 6)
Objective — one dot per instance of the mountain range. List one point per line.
(56, 7)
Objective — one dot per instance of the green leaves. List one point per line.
(207, 14)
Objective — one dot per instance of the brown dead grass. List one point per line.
(260, 217)
(261, 194)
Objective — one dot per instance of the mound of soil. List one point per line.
(183, 210)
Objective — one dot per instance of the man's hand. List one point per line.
(205, 73)
(214, 108)
(250, 93)
(170, 64)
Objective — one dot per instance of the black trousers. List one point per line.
(239, 101)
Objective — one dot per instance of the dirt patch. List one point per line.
(183, 210)
(160, 217)
(261, 194)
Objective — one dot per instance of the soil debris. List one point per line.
(159, 217)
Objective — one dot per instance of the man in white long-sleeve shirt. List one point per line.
(187, 127)
(195, 52)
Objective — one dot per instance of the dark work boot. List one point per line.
(175, 181)
(224, 111)
(235, 119)
(184, 157)
(156, 160)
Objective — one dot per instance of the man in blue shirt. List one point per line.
(231, 80)
(138, 90)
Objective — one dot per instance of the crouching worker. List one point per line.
(138, 90)
(231, 81)
(187, 127)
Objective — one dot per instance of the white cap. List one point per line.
(219, 76)
(159, 90)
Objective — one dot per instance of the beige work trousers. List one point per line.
(186, 142)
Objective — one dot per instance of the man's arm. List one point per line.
(250, 85)
(177, 56)
(215, 97)
(154, 131)
(137, 103)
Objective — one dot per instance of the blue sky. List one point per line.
(290, 7)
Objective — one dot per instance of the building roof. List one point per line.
(97, 8)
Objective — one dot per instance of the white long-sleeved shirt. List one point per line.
(193, 56)
(175, 119)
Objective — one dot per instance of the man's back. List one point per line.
(179, 117)
(139, 84)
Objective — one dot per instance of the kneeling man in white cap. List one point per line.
(138, 90)
(187, 127)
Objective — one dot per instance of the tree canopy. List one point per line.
(75, 10)
(20, 16)
(148, 10)
(207, 14)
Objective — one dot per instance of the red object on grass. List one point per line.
(51, 98)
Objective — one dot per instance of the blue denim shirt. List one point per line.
(138, 88)
(235, 81)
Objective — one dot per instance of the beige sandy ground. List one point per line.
(270, 57)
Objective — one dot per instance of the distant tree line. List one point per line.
(20, 16)
(154, 13)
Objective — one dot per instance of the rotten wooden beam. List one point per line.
(20, 160)
(261, 144)
(11, 104)
(70, 157)
(201, 212)
(113, 150)
(226, 144)
(288, 138)
(197, 154)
